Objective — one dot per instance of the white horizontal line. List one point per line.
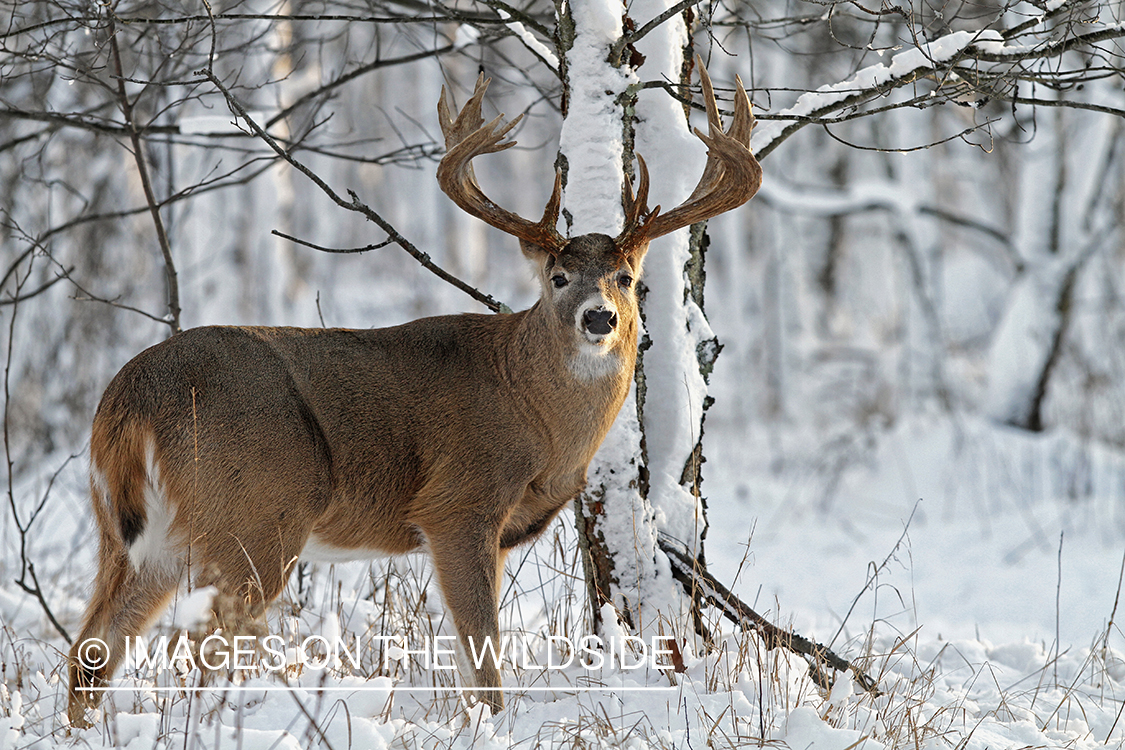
(335, 688)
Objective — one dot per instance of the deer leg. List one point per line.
(469, 566)
(249, 571)
(126, 600)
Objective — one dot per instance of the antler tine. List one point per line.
(743, 123)
(635, 206)
(467, 136)
(731, 176)
(637, 216)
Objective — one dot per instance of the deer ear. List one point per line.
(636, 254)
(536, 252)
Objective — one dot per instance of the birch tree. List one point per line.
(645, 481)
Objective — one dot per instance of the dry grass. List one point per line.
(740, 694)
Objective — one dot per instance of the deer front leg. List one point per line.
(469, 565)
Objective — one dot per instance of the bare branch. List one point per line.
(355, 204)
(338, 250)
(14, 300)
(360, 71)
(623, 42)
(173, 290)
(181, 20)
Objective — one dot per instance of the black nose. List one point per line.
(599, 321)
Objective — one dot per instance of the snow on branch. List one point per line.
(961, 64)
(530, 41)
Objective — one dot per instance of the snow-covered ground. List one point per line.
(980, 603)
(983, 541)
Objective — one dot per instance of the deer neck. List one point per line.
(566, 383)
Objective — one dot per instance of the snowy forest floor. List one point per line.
(973, 571)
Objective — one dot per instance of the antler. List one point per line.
(466, 136)
(730, 178)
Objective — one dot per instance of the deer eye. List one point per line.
(625, 280)
(559, 281)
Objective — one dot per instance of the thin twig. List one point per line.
(1113, 612)
(875, 573)
(173, 291)
(888, 150)
(339, 250)
(37, 592)
(360, 71)
(355, 204)
(35, 293)
(1058, 607)
(27, 567)
(185, 20)
(311, 719)
(91, 297)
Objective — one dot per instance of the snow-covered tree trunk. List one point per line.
(683, 348)
(640, 483)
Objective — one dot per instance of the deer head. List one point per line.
(604, 295)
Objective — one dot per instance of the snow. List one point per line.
(194, 610)
(675, 387)
(966, 567)
(466, 35)
(903, 65)
(531, 42)
(591, 136)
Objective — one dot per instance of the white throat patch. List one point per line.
(593, 362)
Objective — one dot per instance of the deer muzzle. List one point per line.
(599, 321)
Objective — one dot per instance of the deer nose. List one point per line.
(599, 320)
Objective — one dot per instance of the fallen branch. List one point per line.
(697, 580)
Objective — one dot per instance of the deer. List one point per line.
(223, 455)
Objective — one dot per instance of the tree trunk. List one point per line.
(645, 480)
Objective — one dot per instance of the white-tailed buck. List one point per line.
(225, 454)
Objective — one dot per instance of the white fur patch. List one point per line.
(319, 551)
(593, 362)
(100, 488)
(153, 548)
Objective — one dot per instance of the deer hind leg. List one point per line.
(130, 589)
(249, 563)
(247, 581)
(126, 600)
(469, 566)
